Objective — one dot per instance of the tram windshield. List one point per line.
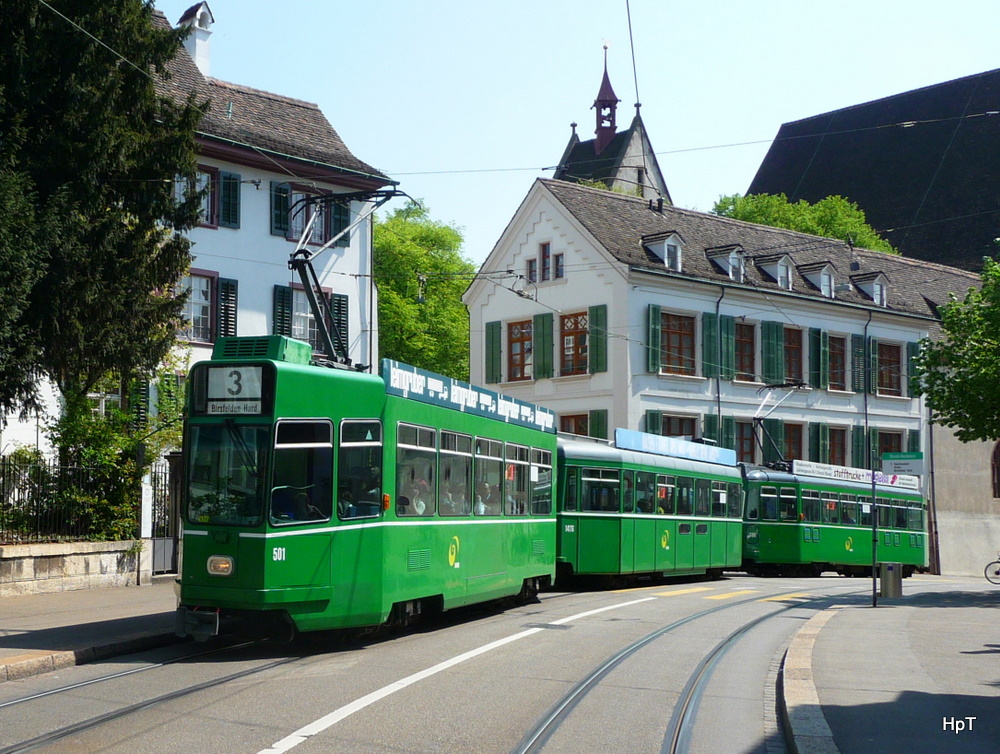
(225, 479)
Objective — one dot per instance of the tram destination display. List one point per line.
(234, 390)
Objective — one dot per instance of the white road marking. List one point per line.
(303, 734)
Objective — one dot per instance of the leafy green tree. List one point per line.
(421, 276)
(832, 217)
(960, 371)
(100, 150)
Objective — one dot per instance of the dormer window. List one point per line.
(821, 275)
(875, 285)
(730, 261)
(784, 275)
(668, 247)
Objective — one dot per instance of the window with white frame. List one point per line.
(784, 275)
(197, 312)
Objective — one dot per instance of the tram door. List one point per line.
(640, 498)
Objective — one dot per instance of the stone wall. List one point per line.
(44, 568)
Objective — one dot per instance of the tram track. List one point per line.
(681, 726)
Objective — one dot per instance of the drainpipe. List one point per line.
(871, 459)
(718, 356)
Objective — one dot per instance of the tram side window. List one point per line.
(734, 500)
(865, 511)
(900, 516)
(600, 490)
(570, 493)
(789, 504)
(884, 513)
(416, 458)
(489, 477)
(811, 507)
(719, 495)
(359, 470)
(769, 503)
(666, 495)
(645, 491)
(830, 513)
(455, 477)
(516, 499)
(628, 492)
(848, 510)
(685, 496)
(702, 497)
(301, 482)
(541, 482)
(915, 514)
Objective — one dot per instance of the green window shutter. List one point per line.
(281, 194)
(654, 422)
(710, 427)
(912, 384)
(774, 440)
(710, 344)
(858, 371)
(340, 218)
(819, 442)
(493, 370)
(859, 452)
(819, 358)
(339, 318)
(913, 440)
(597, 319)
(873, 368)
(773, 352)
(139, 398)
(873, 440)
(281, 323)
(541, 347)
(727, 334)
(229, 200)
(598, 424)
(226, 307)
(654, 336)
(728, 439)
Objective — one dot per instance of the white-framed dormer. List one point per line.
(875, 285)
(729, 259)
(779, 268)
(822, 275)
(667, 247)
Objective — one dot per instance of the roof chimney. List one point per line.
(199, 17)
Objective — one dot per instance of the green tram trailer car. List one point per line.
(818, 518)
(323, 498)
(647, 506)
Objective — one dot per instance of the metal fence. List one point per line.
(45, 502)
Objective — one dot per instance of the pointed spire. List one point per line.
(605, 104)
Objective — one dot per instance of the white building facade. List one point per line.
(628, 313)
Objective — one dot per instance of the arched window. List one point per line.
(995, 470)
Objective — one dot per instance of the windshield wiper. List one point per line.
(249, 459)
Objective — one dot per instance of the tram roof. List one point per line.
(601, 452)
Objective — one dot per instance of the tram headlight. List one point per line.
(220, 565)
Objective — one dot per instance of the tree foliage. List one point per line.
(959, 373)
(97, 152)
(832, 217)
(421, 275)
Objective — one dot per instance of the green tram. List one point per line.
(815, 519)
(649, 505)
(321, 498)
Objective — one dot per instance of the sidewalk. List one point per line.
(43, 632)
(915, 674)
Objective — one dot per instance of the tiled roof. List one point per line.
(261, 120)
(621, 224)
(922, 165)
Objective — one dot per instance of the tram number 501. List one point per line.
(278, 553)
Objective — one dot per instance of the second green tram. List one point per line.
(803, 525)
(625, 513)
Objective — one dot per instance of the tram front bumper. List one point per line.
(199, 624)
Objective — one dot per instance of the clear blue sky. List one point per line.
(465, 103)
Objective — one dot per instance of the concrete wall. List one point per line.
(968, 516)
(45, 568)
